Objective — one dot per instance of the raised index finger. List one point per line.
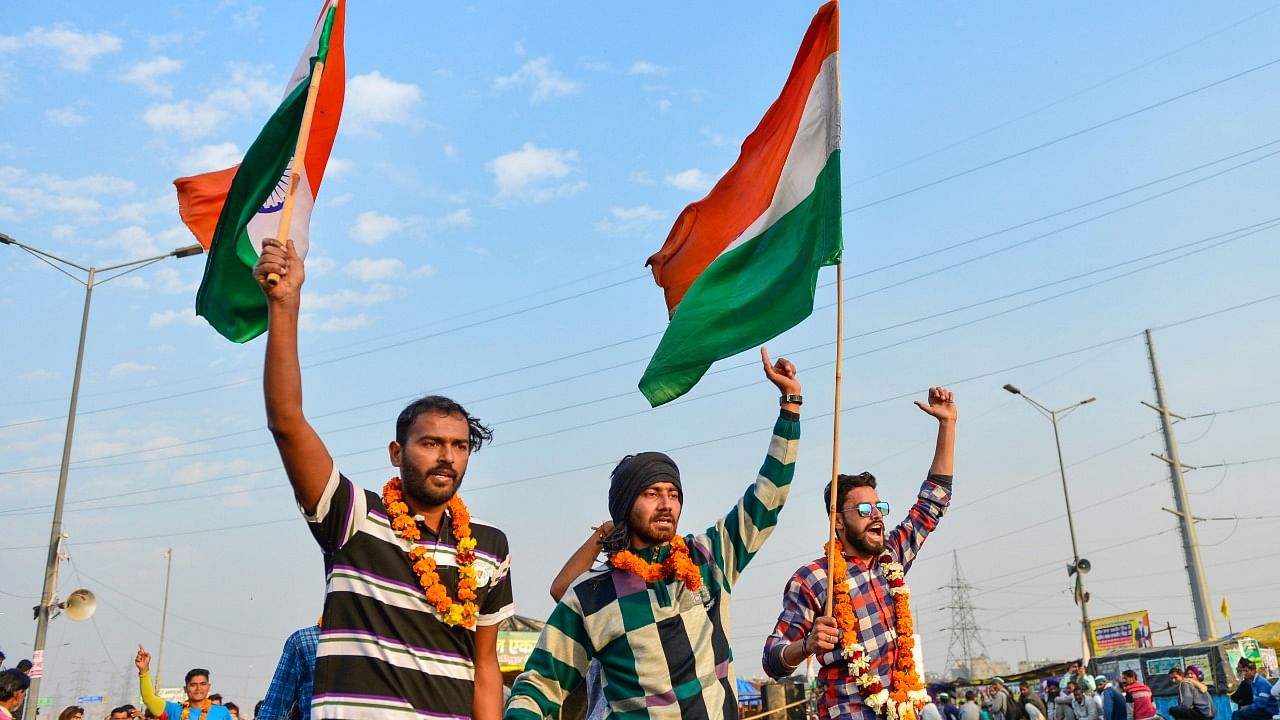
(764, 357)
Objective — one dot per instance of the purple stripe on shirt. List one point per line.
(370, 576)
(393, 641)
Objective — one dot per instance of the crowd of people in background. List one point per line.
(1078, 695)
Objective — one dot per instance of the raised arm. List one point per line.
(740, 534)
(306, 460)
(580, 561)
(154, 702)
(942, 405)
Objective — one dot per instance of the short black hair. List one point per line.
(12, 682)
(1175, 670)
(232, 706)
(1246, 664)
(24, 665)
(847, 483)
(1130, 674)
(194, 672)
(478, 433)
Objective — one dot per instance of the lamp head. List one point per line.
(6, 239)
(187, 251)
(1086, 402)
(1012, 389)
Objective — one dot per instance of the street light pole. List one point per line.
(49, 589)
(1082, 598)
(164, 614)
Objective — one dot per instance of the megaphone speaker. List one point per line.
(1083, 566)
(80, 605)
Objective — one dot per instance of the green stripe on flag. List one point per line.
(229, 296)
(751, 293)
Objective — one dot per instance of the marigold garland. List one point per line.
(905, 695)
(678, 564)
(204, 709)
(451, 612)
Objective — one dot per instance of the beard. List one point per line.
(653, 535)
(421, 490)
(867, 543)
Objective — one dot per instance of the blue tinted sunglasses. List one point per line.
(864, 508)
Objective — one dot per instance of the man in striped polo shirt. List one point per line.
(416, 587)
(656, 615)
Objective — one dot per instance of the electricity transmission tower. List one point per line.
(966, 640)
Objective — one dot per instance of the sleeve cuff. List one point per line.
(943, 480)
(774, 664)
(322, 507)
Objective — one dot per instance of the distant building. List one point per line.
(983, 667)
(1029, 665)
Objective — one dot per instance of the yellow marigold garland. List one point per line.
(905, 695)
(678, 564)
(452, 612)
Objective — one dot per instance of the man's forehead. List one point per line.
(664, 486)
(439, 424)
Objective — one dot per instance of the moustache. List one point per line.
(446, 470)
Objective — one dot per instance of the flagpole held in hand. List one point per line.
(295, 172)
(834, 549)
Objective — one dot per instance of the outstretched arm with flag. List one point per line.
(740, 266)
(232, 211)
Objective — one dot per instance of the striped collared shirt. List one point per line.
(663, 649)
(383, 650)
(805, 599)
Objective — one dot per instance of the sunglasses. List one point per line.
(864, 508)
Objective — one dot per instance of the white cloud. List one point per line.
(450, 151)
(149, 75)
(374, 99)
(460, 217)
(164, 205)
(370, 269)
(644, 67)
(340, 199)
(62, 232)
(309, 322)
(159, 42)
(319, 266)
(622, 221)
(169, 280)
(129, 367)
(529, 173)
(174, 317)
(33, 194)
(372, 228)
(375, 294)
(664, 104)
(691, 180)
(545, 81)
(38, 375)
(244, 14)
(209, 157)
(76, 50)
(64, 116)
(714, 138)
(134, 242)
(641, 177)
(337, 167)
(245, 90)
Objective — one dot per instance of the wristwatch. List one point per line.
(797, 399)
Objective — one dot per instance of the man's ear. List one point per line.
(393, 451)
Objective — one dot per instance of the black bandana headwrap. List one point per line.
(629, 479)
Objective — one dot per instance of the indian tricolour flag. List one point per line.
(741, 265)
(231, 211)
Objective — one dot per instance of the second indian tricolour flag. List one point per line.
(741, 265)
(231, 211)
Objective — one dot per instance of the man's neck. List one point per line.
(431, 514)
(855, 553)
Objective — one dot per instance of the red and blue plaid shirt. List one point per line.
(805, 599)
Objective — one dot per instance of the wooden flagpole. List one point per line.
(299, 150)
(833, 552)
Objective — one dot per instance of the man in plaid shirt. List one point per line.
(663, 648)
(804, 630)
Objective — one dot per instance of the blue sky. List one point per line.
(1012, 176)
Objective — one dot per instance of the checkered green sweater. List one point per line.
(663, 649)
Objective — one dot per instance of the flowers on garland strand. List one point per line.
(905, 695)
(464, 610)
(678, 565)
(204, 709)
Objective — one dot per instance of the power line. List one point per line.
(1230, 236)
(1062, 138)
(1151, 198)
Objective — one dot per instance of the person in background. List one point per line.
(198, 705)
(1076, 673)
(930, 711)
(1082, 706)
(71, 712)
(1140, 695)
(948, 708)
(234, 709)
(1194, 702)
(13, 692)
(970, 710)
(1264, 703)
(1026, 696)
(1113, 704)
(997, 704)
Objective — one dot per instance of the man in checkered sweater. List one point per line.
(803, 630)
(663, 646)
